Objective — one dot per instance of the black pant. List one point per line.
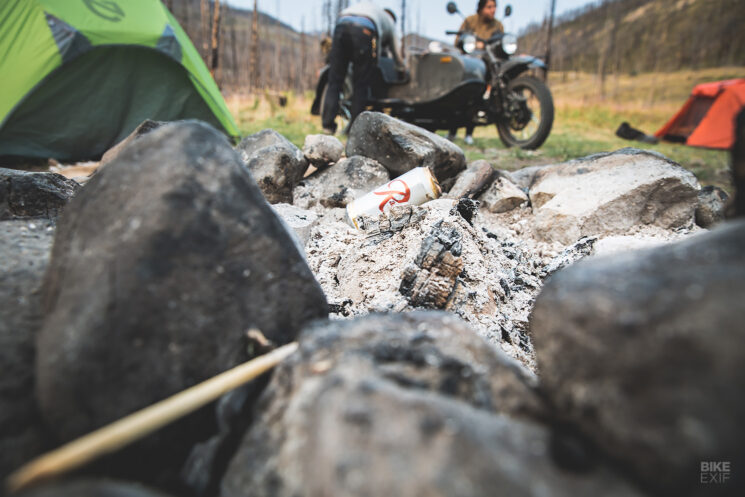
(355, 44)
(469, 130)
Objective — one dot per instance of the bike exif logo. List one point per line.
(715, 471)
(105, 9)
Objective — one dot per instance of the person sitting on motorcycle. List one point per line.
(361, 34)
(484, 25)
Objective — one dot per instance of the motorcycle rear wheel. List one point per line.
(540, 104)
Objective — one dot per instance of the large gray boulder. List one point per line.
(275, 164)
(401, 146)
(144, 128)
(25, 247)
(160, 266)
(643, 353)
(91, 488)
(340, 184)
(26, 194)
(402, 405)
(610, 194)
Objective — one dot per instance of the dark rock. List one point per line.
(431, 279)
(401, 405)
(25, 248)
(275, 163)
(340, 184)
(322, 150)
(33, 195)
(473, 181)
(91, 488)
(467, 208)
(400, 146)
(159, 267)
(712, 201)
(642, 352)
(432, 351)
(144, 128)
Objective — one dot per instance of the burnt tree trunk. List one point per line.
(204, 12)
(236, 74)
(215, 49)
(255, 73)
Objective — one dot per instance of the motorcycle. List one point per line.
(445, 90)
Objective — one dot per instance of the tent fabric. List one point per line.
(707, 118)
(68, 65)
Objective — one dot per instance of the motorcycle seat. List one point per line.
(390, 102)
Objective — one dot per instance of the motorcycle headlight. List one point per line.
(469, 43)
(509, 44)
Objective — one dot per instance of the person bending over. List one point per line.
(361, 34)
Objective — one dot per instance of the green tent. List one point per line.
(77, 76)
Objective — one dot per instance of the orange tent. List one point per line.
(708, 117)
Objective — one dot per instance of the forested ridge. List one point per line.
(634, 36)
(603, 37)
(285, 58)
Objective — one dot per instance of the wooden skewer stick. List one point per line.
(141, 423)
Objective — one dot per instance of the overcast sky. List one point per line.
(429, 15)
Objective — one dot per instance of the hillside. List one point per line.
(279, 43)
(634, 36)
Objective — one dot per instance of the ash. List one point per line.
(500, 266)
(363, 271)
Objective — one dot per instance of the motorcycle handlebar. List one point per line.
(458, 33)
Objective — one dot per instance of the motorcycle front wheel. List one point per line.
(529, 116)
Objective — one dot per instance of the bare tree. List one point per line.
(328, 16)
(610, 43)
(235, 72)
(214, 56)
(255, 71)
(303, 54)
(205, 19)
(548, 39)
(187, 8)
(276, 66)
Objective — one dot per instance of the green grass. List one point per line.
(293, 121)
(585, 122)
(590, 130)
